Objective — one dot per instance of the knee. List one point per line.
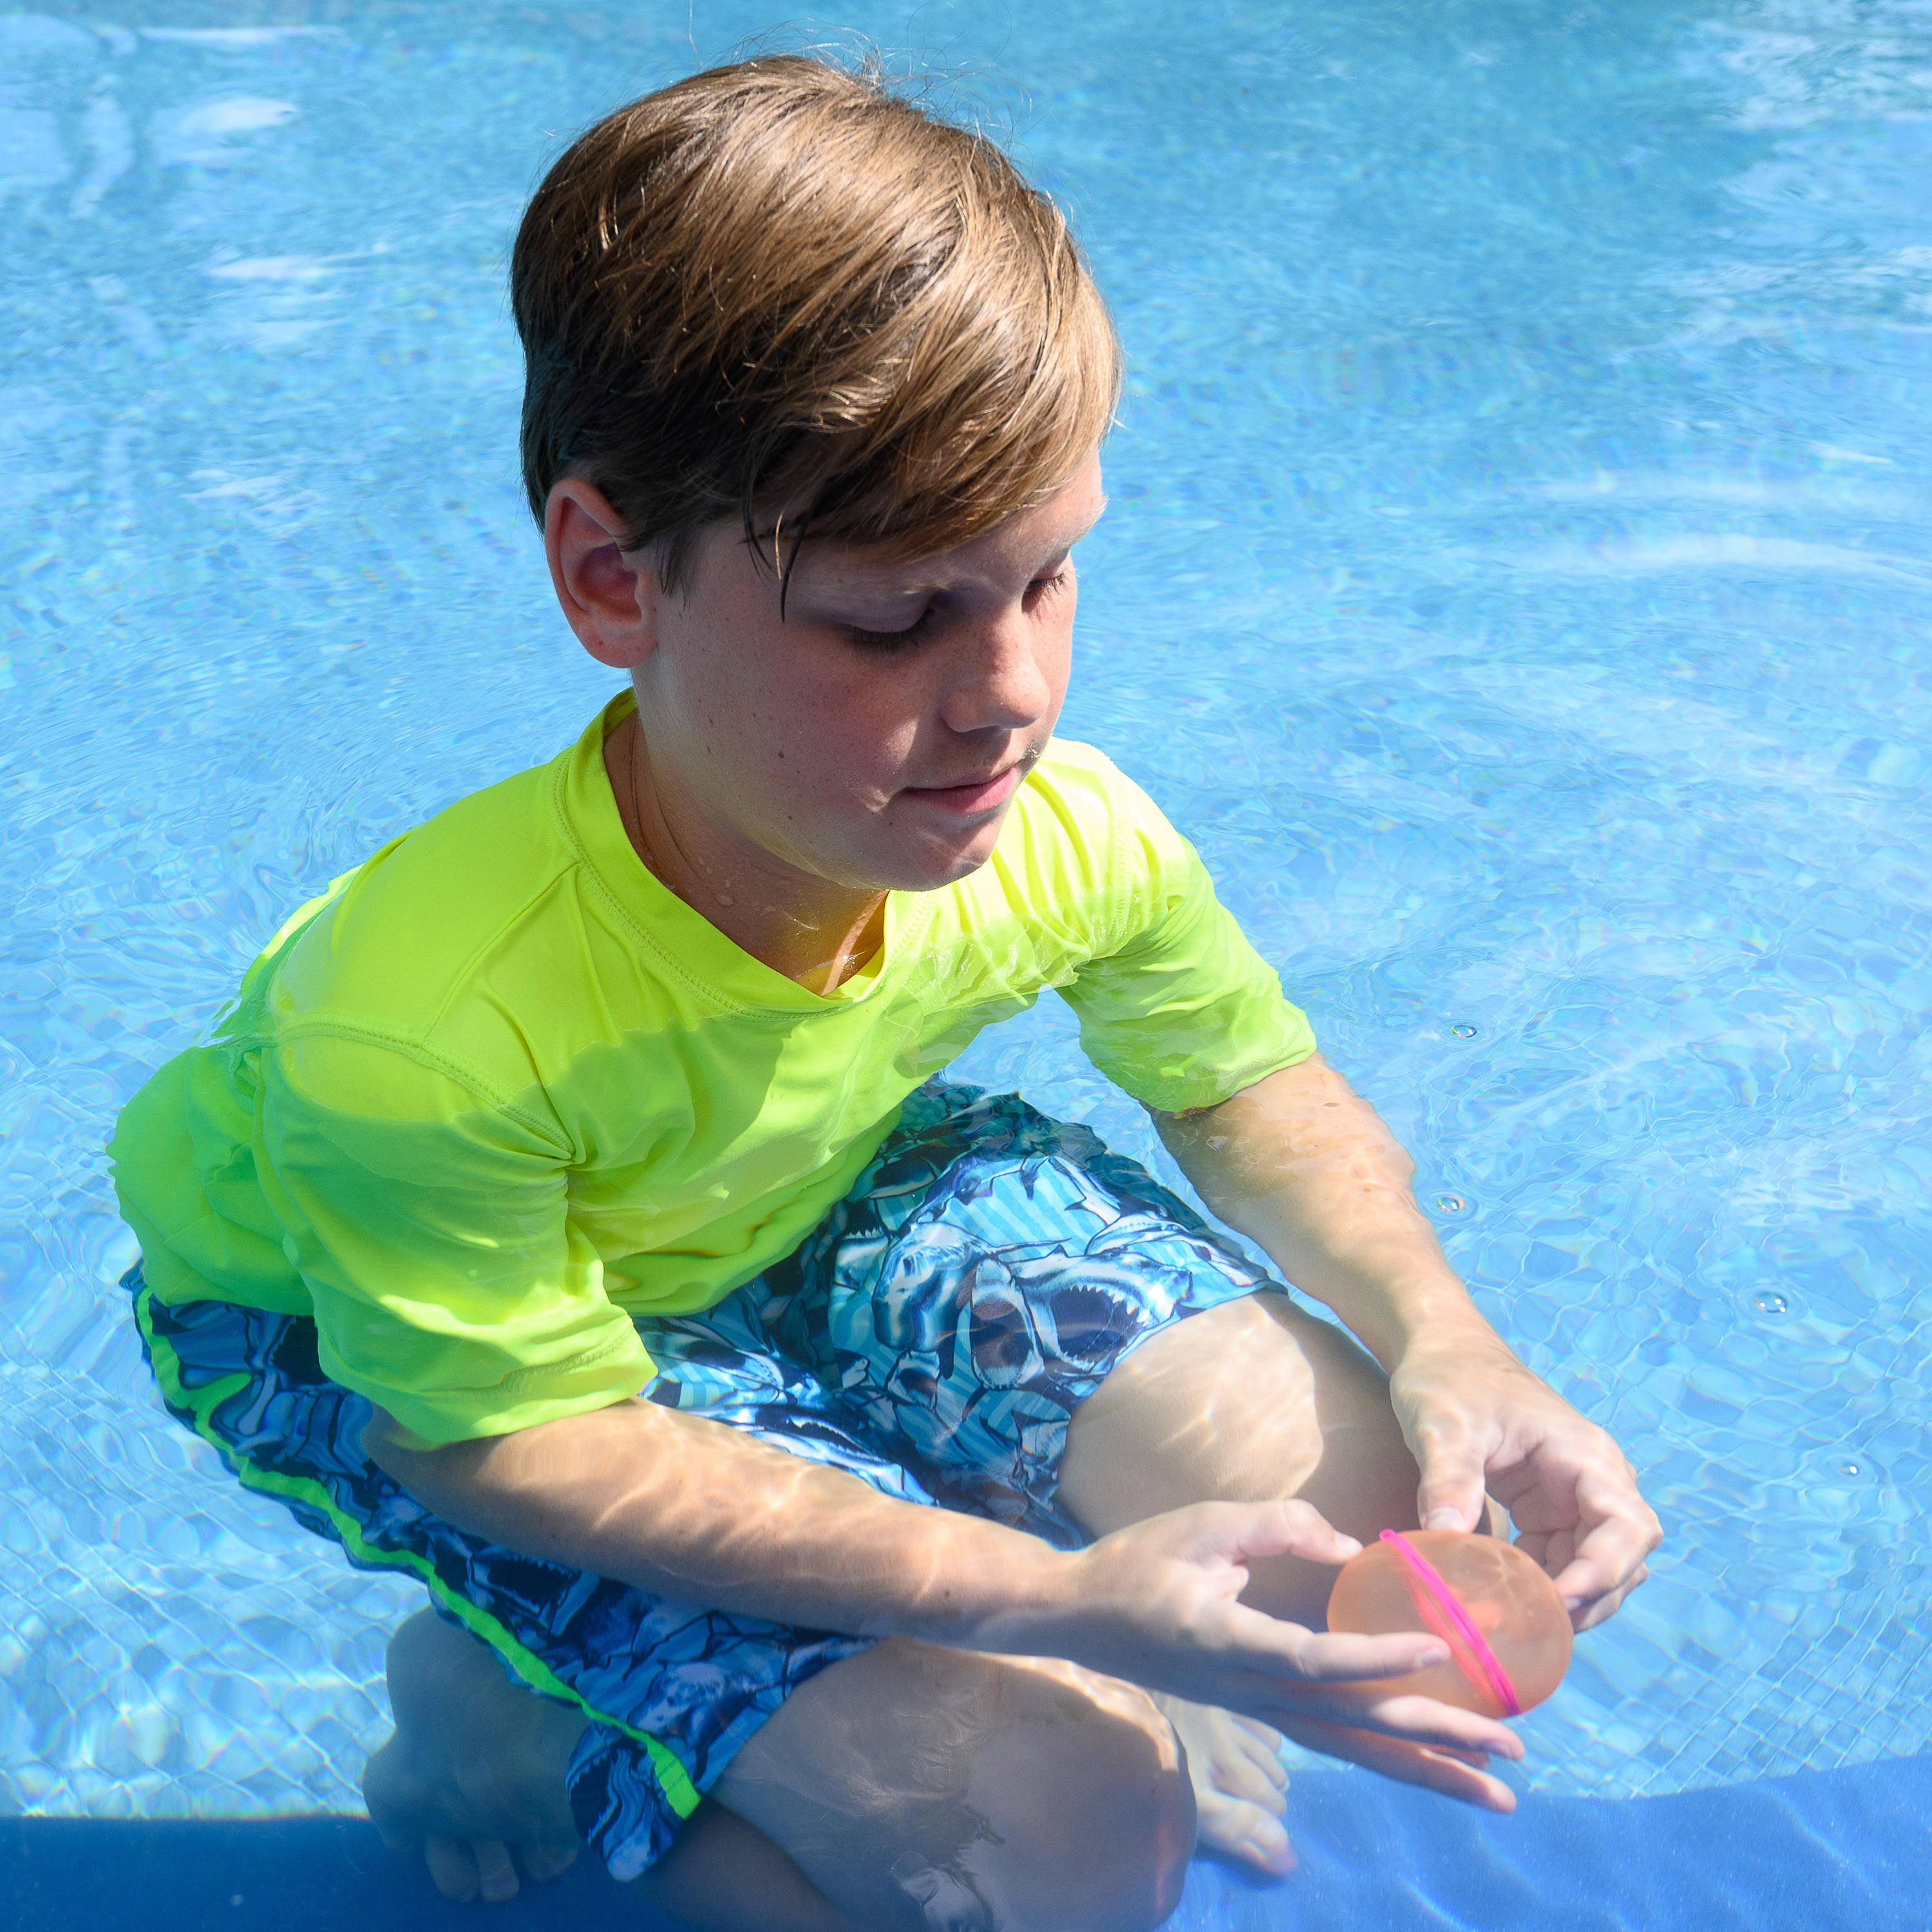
(1095, 1818)
(1143, 1828)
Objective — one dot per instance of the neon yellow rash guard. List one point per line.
(498, 1091)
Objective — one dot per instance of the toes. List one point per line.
(452, 1868)
(1249, 1834)
(541, 1862)
(1269, 1739)
(1262, 1749)
(1247, 1779)
(391, 1795)
(496, 1876)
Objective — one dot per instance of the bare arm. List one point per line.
(700, 1512)
(1301, 1164)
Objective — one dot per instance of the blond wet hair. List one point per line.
(781, 294)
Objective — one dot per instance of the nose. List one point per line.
(1004, 676)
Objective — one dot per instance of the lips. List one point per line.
(975, 795)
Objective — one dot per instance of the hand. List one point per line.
(1158, 1603)
(1477, 1420)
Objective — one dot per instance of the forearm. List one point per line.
(1304, 1167)
(1301, 1164)
(701, 1513)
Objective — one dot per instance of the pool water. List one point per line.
(1517, 583)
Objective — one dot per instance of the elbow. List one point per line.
(432, 1472)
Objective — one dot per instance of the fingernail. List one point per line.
(1444, 1518)
(1350, 1543)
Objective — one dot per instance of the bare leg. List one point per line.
(909, 1787)
(1250, 1401)
(476, 1768)
(469, 1771)
(920, 1786)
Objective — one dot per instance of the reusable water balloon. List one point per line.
(1507, 1632)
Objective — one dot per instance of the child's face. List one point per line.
(874, 735)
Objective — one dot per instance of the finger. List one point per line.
(452, 1867)
(1277, 1529)
(1450, 1773)
(1280, 1649)
(1451, 1495)
(1608, 1606)
(1622, 1531)
(1427, 1721)
(496, 1876)
(1371, 1707)
(1536, 1546)
(1536, 1512)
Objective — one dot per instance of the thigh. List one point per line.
(1253, 1400)
(919, 1786)
(985, 1276)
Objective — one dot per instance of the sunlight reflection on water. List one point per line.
(1516, 583)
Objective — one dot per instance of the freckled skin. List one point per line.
(789, 770)
(730, 689)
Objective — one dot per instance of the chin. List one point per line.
(934, 864)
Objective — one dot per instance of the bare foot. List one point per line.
(1241, 1790)
(475, 1768)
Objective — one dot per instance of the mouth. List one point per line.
(974, 795)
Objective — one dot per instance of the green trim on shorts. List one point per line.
(681, 1794)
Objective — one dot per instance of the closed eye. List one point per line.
(892, 640)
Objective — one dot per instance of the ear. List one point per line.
(610, 596)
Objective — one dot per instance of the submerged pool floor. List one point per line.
(1517, 582)
(1823, 1852)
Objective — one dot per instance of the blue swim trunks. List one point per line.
(933, 1337)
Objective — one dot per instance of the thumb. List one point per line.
(1450, 1496)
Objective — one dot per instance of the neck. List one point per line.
(813, 930)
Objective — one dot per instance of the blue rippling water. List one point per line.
(1517, 583)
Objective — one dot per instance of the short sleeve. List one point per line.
(1180, 1009)
(431, 1228)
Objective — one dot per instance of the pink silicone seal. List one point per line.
(1439, 1609)
(1508, 1633)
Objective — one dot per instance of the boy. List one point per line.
(909, 1513)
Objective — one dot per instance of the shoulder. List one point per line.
(474, 943)
(410, 920)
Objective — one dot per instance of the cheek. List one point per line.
(1058, 668)
(867, 719)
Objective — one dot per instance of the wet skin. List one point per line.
(1013, 1754)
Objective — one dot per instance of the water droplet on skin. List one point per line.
(1768, 1301)
(1462, 1030)
(1449, 1203)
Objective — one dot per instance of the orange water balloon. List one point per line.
(1507, 1632)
